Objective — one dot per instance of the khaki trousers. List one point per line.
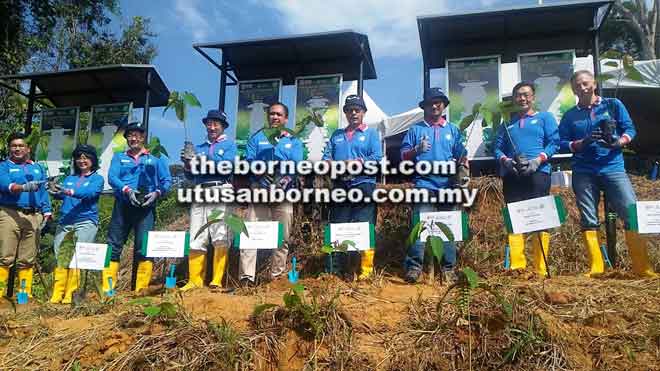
(18, 230)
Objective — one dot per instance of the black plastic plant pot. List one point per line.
(335, 262)
(608, 127)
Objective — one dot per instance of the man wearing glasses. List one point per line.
(217, 147)
(434, 139)
(523, 147)
(24, 204)
(138, 179)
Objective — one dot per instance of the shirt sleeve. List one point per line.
(625, 124)
(329, 151)
(297, 150)
(458, 150)
(500, 142)
(407, 145)
(42, 196)
(551, 136)
(565, 133)
(251, 150)
(5, 180)
(113, 174)
(164, 177)
(375, 151)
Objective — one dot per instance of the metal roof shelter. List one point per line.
(512, 31)
(346, 52)
(85, 87)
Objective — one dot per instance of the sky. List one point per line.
(391, 26)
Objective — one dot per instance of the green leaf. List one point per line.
(344, 245)
(633, 74)
(298, 288)
(152, 311)
(475, 108)
(140, 301)
(611, 54)
(191, 100)
(262, 308)
(445, 230)
(472, 277)
(604, 77)
(236, 224)
(327, 249)
(215, 214)
(414, 234)
(168, 309)
(465, 122)
(437, 247)
(611, 64)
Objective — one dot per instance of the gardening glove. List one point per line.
(54, 188)
(509, 166)
(185, 156)
(132, 197)
(32, 186)
(616, 143)
(531, 167)
(424, 145)
(150, 198)
(266, 180)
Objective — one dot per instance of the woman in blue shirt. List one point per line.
(79, 213)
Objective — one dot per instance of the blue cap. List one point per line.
(133, 126)
(354, 100)
(216, 114)
(434, 93)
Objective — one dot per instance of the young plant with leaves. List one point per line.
(180, 102)
(434, 245)
(626, 69)
(336, 247)
(234, 222)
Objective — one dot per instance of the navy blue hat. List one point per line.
(434, 93)
(133, 126)
(354, 100)
(218, 115)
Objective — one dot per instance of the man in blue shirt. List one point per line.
(259, 148)
(356, 142)
(79, 214)
(434, 139)
(24, 205)
(535, 139)
(596, 130)
(218, 148)
(134, 173)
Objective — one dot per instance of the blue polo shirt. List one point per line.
(144, 172)
(446, 145)
(12, 173)
(534, 135)
(362, 144)
(82, 204)
(579, 122)
(288, 148)
(222, 149)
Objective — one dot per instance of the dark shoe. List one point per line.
(246, 282)
(412, 276)
(449, 277)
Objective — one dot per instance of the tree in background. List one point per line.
(633, 27)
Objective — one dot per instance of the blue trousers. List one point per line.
(415, 258)
(124, 219)
(617, 187)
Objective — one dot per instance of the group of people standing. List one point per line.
(595, 131)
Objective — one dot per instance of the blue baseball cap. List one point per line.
(218, 115)
(133, 126)
(354, 100)
(434, 93)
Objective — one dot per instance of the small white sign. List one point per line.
(648, 216)
(263, 236)
(533, 215)
(452, 219)
(89, 256)
(162, 244)
(356, 232)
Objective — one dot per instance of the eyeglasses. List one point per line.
(135, 136)
(524, 95)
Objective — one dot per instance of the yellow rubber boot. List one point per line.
(219, 263)
(25, 274)
(143, 276)
(72, 284)
(517, 251)
(59, 285)
(196, 263)
(367, 263)
(4, 278)
(537, 253)
(111, 272)
(592, 244)
(639, 255)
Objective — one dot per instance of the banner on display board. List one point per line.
(106, 133)
(551, 74)
(317, 112)
(473, 81)
(59, 130)
(253, 99)
(535, 214)
(362, 234)
(91, 256)
(264, 235)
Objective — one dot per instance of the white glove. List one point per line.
(424, 145)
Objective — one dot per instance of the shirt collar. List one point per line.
(442, 123)
(144, 151)
(527, 115)
(361, 127)
(220, 139)
(28, 161)
(599, 100)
